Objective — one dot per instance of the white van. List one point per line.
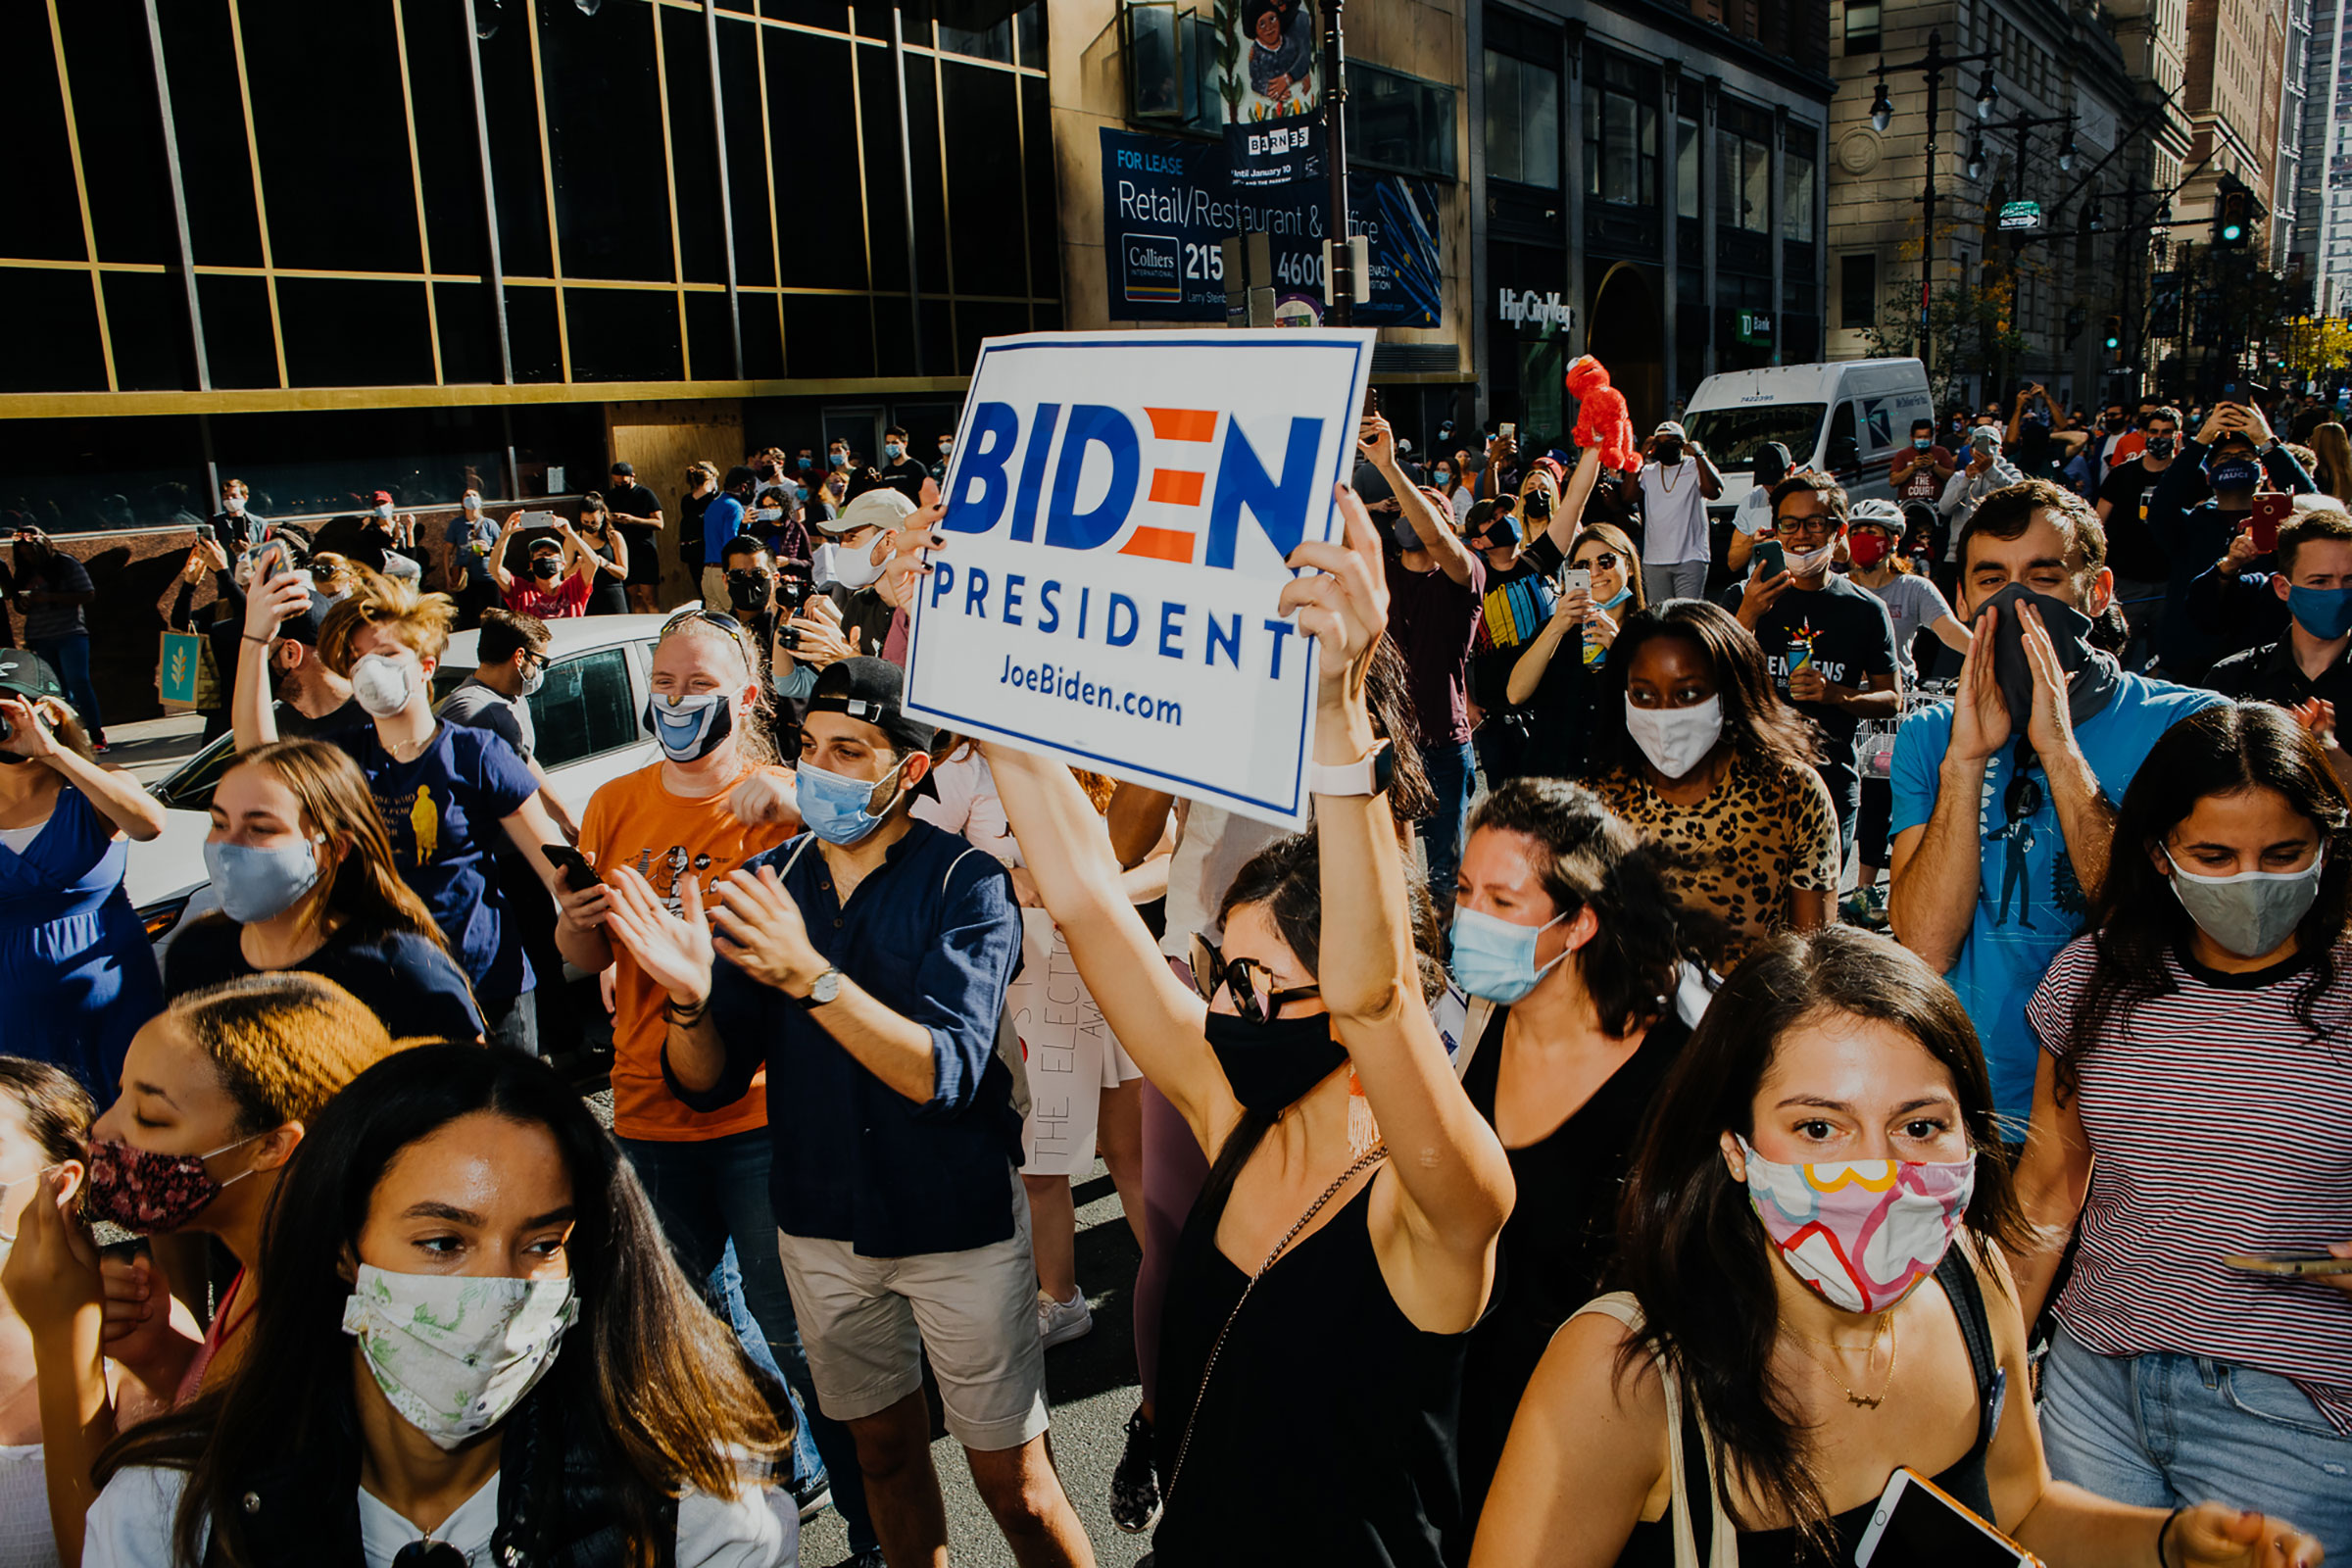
(1847, 417)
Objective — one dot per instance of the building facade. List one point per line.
(1646, 187)
(2066, 146)
(2323, 227)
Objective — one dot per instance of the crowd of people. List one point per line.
(1563, 1151)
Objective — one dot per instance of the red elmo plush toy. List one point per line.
(1601, 417)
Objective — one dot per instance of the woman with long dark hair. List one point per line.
(477, 1340)
(2195, 1045)
(1572, 951)
(303, 863)
(1697, 749)
(1811, 1250)
(1558, 679)
(1321, 1293)
(608, 592)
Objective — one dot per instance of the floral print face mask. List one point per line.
(147, 1193)
(452, 1353)
(1862, 1232)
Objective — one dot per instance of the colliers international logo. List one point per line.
(1154, 268)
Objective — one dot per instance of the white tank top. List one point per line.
(24, 1538)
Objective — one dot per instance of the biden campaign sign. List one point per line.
(1119, 509)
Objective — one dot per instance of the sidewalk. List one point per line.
(152, 747)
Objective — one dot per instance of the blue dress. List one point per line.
(78, 975)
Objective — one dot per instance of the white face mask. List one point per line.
(383, 685)
(471, 502)
(850, 566)
(234, 506)
(1675, 739)
(384, 512)
(1810, 562)
(455, 1353)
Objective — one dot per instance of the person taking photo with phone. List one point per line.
(1559, 674)
(2314, 659)
(558, 576)
(2232, 457)
(2218, 955)
(1815, 1293)
(449, 794)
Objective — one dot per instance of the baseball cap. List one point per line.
(1491, 531)
(1672, 427)
(871, 689)
(624, 470)
(29, 675)
(383, 498)
(884, 509)
(303, 625)
(1985, 435)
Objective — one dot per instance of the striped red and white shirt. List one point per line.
(2220, 1124)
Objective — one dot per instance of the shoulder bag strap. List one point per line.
(1723, 1541)
(1474, 1029)
(1184, 1444)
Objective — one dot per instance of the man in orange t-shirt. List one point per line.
(676, 823)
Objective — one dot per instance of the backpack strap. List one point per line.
(1957, 1274)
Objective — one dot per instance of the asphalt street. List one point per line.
(1091, 1388)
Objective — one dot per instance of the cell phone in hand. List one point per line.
(1509, 432)
(1371, 402)
(2306, 1264)
(1770, 560)
(1577, 580)
(2270, 509)
(204, 533)
(579, 875)
(1917, 1523)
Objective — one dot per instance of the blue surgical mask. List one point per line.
(690, 729)
(2325, 612)
(806, 465)
(1923, 443)
(261, 884)
(1495, 958)
(1442, 476)
(800, 493)
(834, 808)
(893, 450)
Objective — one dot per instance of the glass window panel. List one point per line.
(991, 43)
(585, 708)
(344, 333)
(1686, 168)
(1594, 140)
(832, 335)
(973, 323)
(147, 316)
(448, 152)
(1503, 158)
(693, 154)
(1540, 119)
(894, 337)
(1437, 129)
(334, 143)
(832, 13)
(511, 101)
(324, 465)
(531, 333)
(762, 338)
(939, 344)
(73, 475)
(1384, 111)
(980, 109)
(1029, 33)
(239, 347)
(1037, 151)
(612, 196)
(1618, 170)
(44, 212)
(739, 45)
(814, 124)
(53, 325)
(711, 335)
(468, 333)
(1796, 210)
(113, 115)
(213, 171)
(1155, 89)
(1858, 290)
(1727, 176)
(1756, 187)
(930, 181)
(885, 213)
(624, 335)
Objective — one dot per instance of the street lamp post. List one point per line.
(1339, 287)
(1933, 65)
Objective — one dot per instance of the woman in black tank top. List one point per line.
(1311, 1340)
(1810, 1250)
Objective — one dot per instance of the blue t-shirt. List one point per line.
(470, 570)
(2029, 904)
(401, 977)
(443, 810)
(722, 520)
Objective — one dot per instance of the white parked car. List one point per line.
(588, 715)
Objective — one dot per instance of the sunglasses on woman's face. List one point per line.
(1606, 560)
(1256, 994)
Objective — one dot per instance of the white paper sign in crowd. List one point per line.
(1119, 511)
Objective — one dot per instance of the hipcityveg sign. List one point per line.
(1119, 512)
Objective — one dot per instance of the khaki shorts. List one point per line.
(867, 1323)
(715, 589)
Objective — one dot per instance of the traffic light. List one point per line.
(2113, 338)
(2233, 220)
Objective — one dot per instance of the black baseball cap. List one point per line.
(624, 469)
(29, 675)
(871, 689)
(303, 625)
(1491, 529)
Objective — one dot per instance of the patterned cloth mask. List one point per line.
(147, 1193)
(1861, 1233)
(452, 1353)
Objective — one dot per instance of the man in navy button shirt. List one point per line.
(903, 1223)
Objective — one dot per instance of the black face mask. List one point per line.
(748, 590)
(1271, 1064)
(546, 568)
(2090, 677)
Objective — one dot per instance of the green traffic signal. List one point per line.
(2231, 233)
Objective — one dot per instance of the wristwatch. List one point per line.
(824, 989)
(1368, 775)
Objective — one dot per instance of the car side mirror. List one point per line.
(1845, 452)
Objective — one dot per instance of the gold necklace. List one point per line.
(1894, 1350)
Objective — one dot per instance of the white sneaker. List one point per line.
(1059, 1322)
